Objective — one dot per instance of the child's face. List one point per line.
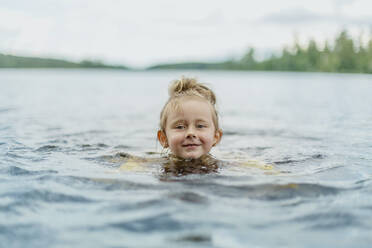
(190, 131)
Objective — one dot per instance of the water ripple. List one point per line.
(196, 238)
(93, 147)
(17, 171)
(135, 206)
(279, 192)
(48, 148)
(89, 133)
(326, 221)
(46, 196)
(327, 169)
(158, 223)
(288, 160)
(26, 235)
(107, 184)
(4, 128)
(113, 184)
(270, 192)
(189, 197)
(5, 110)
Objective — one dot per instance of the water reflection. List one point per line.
(175, 166)
(170, 165)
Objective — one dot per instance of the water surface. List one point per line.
(62, 133)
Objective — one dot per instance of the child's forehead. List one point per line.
(179, 105)
(194, 108)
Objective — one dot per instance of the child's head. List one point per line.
(189, 120)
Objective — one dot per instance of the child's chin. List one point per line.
(192, 156)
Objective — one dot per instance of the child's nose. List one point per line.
(190, 132)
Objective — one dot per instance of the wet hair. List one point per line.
(187, 87)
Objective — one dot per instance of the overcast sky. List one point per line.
(145, 32)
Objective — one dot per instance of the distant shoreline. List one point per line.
(343, 55)
(12, 61)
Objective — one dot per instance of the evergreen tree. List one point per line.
(345, 53)
(313, 56)
(248, 60)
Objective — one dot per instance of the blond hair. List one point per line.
(187, 87)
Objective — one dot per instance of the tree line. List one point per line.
(11, 61)
(342, 55)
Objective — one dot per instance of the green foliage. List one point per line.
(343, 56)
(10, 61)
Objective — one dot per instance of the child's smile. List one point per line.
(190, 131)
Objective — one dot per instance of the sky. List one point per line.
(142, 33)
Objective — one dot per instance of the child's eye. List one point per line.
(180, 127)
(200, 126)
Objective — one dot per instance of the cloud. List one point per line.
(144, 32)
(301, 16)
(292, 16)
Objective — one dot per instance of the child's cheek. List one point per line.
(175, 140)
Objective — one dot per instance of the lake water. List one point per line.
(61, 133)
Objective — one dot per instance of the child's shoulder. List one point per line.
(136, 163)
(171, 164)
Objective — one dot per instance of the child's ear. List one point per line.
(217, 136)
(162, 139)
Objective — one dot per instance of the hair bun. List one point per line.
(191, 87)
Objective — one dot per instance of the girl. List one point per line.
(189, 121)
(188, 130)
